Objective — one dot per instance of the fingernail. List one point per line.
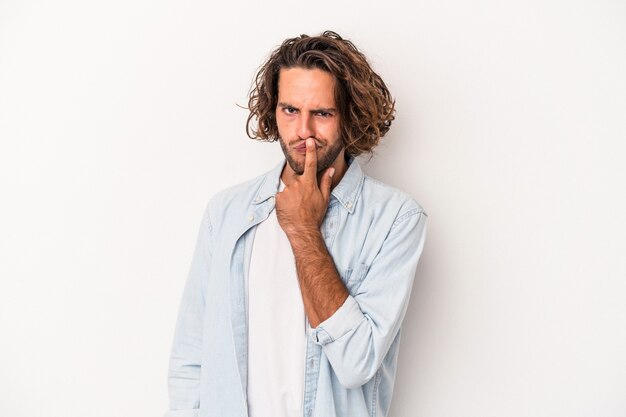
(309, 142)
(332, 172)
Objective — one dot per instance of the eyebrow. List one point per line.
(321, 109)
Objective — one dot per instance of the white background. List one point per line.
(119, 119)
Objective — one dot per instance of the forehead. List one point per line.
(301, 86)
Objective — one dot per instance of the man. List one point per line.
(301, 277)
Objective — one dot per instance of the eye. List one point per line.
(290, 110)
(323, 114)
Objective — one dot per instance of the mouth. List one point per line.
(301, 147)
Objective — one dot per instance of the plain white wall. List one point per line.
(118, 121)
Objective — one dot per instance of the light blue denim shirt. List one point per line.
(375, 235)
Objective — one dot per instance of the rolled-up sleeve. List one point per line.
(186, 354)
(357, 337)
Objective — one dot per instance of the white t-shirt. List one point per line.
(276, 326)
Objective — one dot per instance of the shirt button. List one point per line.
(256, 200)
(251, 218)
(349, 204)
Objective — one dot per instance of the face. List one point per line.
(306, 109)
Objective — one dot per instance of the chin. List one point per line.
(298, 169)
(296, 166)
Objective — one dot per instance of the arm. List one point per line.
(300, 209)
(357, 337)
(185, 358)
(357, 330)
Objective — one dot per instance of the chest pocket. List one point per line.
(352, 277)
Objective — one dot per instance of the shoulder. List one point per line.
(380, 196)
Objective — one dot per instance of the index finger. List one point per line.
(310, 160)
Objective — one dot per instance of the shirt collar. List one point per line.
(346, 192)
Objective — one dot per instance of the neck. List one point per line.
(341, 166)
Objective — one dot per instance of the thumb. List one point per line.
(326, 182)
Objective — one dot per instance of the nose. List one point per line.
(305, 127)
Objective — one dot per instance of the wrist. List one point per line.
(303, 234)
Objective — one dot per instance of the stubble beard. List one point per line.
(324, 161)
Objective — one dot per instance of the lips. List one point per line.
(301, 148)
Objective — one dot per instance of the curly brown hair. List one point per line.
(366, 108)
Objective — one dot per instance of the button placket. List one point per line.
(329, 226)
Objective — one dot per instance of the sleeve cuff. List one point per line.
(343, 321)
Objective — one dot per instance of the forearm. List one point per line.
(323, 292)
